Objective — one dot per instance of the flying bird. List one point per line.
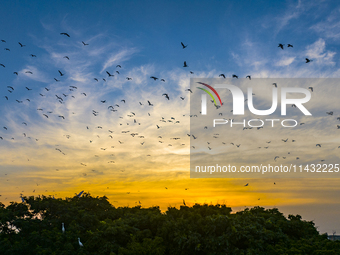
(289, 45)
(308, 60)
(21, 44)
(154, 78)
(222, 75)
(85, 43)
(184, 46)
(166, 96)
(80, 193)
(185, 64)
(280, 45)
(61, 74)
(65, 34)
(235, 76)
(109, 74)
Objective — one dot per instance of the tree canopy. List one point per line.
(35, 227)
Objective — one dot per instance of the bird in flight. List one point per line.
(118, 66)
(308, 60)
(246, 184)
(21, 45)
(67, 57)
(150, 103)
(184, 46)
(311, 88)
(85, 43)
(109, 74)
(222, 75)
(289, 45)
(274, 84)
(280, 45)
(235, 76)
(154, 78)
(318, 145)
(185, 64)
(65, 34)
(248, 76)
(128, 78)
(166, 96)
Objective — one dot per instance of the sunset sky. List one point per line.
(64, 134)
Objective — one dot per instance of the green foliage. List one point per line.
(35, 227)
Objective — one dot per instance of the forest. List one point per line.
(91, 225)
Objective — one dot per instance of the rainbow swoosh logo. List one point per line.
(209, 93)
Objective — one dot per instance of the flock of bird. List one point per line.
(130, 119)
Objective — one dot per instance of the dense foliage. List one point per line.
(35, 227)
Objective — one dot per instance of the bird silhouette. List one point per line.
(289, 45)
(185, 64)
(61, 74)
(235, 76)
(248, 76)
(308, 60)
(21, 45)
(280, 45)
(184, 46)
(65, 34)
(166, 96)
(109, 74)
(154, 78)
(222, 75)
(85, 43)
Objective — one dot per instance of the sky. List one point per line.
(62, 134)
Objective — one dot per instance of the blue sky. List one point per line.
(144, 37)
